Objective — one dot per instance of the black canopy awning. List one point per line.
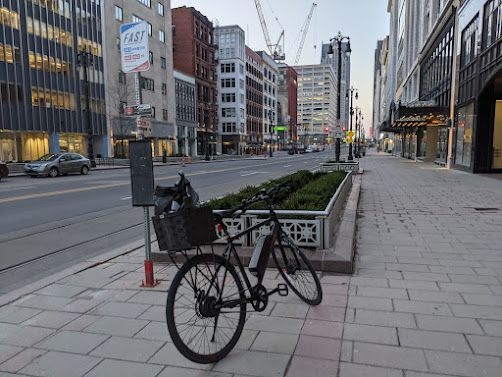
(419, 116)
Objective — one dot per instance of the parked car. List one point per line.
(54, 164)
(4, 170)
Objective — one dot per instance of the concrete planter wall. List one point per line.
(339, 166)
(317, 232)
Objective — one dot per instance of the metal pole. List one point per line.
(90, 147)
(270, 130)
(148, 264)
(339, 74)
(351, 157)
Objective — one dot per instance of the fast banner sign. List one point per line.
(135, 54)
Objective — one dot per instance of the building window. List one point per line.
(148, 3)
(162, 36)
(147, 84)
(9, 18)
(163, 63)
(122, 78)
(139, 19)
(492, 23)
(228, 83)
(164, 88)
(153, 112)
(160, 9)
(164, 114)
(468, 50)
(118, 13)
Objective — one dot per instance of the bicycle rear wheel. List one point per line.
(297, 270)
(206, 308)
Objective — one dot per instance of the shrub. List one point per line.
(306, 191)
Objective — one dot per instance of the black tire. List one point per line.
(84, 170)
(53, 172)
(200, 273)
(296, 270)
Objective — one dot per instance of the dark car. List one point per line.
(4, 170)
(54, 164)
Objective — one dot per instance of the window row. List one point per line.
(227, 67)
(41, 97)
(9, 18)
(49, 32)
(62, 7)
(228, 112)
(10, 93)
(47, 63)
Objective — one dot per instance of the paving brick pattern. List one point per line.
(425, 299)
(426, 296)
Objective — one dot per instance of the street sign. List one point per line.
(143, 124)
(350, 134)
(143, 109)
(349, 139)
(134, 51)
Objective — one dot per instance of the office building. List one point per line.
(51, 79)
(317, 99)
(231, 75)
(186, 105)
(156, 85)
(288, 101)
(254, 102)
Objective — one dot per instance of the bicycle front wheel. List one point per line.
(297, 270)
(206, 308)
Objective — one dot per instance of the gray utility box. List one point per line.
(140, 156)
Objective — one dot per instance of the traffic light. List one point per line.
(344, 129)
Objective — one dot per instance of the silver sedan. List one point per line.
(54, 164)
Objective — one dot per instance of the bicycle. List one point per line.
(207, 300)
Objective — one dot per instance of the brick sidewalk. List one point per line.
(425, 301)
(426, 297)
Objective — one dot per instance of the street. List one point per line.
(49, 224)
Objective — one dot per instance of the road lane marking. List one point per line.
(253, 173)
(60, 192)
(126, 197)
(116, 184)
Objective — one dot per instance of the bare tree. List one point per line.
(120, 93)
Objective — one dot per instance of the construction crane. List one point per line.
(304, 29)
(275, 49)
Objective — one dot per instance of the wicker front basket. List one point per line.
(184, 229)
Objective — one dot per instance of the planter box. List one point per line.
(339, 166)
(316, 232)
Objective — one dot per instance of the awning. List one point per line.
(419, 116)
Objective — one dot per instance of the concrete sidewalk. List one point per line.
(425, 301)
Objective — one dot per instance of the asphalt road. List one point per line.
(47, 225)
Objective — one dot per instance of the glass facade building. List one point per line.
(51, 72)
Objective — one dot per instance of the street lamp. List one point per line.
(338, 40)
(270, 130)
(206, 120)
(351, 109)
(357, 153)
(84, 60)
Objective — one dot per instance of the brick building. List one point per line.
(288, 101)
(254, 101)
(194, 55)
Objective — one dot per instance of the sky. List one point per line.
(364, 21)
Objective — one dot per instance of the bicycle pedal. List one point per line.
(282, 289)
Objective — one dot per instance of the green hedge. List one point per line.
(307, 191)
